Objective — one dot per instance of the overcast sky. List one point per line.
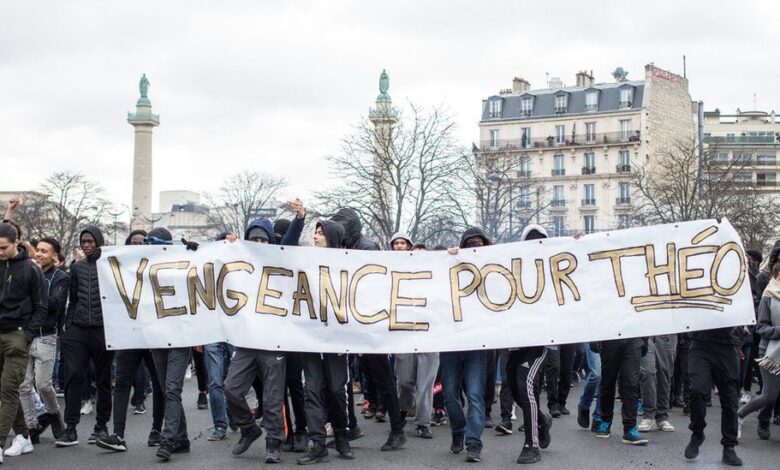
(275, 85)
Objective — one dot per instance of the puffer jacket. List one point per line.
(84, 309)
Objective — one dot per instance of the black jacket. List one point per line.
(474, 232)
(84, 308)
(355, 240)
(731, 336)
(22, 292)
(57, 283)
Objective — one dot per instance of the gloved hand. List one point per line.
(190, 245)
(595, 347)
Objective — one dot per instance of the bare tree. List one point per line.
(243, 198)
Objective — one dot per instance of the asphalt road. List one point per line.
(571, 448)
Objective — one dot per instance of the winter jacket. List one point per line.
(291, 238)
(731, 336)
(57, 284)
(765, 328)
(334, 233)
(22, 292)
(353, 228)
(84, 308)
(474, 232)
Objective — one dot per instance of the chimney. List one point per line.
(584, 79)
(555, 82)
(520, 85)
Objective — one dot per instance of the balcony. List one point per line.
(742, 139)
(560, 110)
(559, 172)
(589, 170)
(623, 168)
(588, 202)
(626, 104)
(766, 183)
(558, 203)
(591, 108)
(576, 140)
(622, 201)
(763, 162)
(524, 173)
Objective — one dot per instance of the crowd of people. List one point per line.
(52, 339)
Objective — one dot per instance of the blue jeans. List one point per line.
(591, 381)
(466, 369)
(216, 355)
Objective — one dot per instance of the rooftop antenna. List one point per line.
(685, 71)
(547, 75)
(754, 102)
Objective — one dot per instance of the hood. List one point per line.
(352, 225)
(334, 233)
(134, 233)
(401, 236)
(773, 255)
(537, 230)
(95, 232)
(281, 226)
(474, 232)
(159, 236)
(264, 224)
(21, 254)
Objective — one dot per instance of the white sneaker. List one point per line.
(745, 398)
(20, 445)
(87, 408)
(665, 426)
(188, 373)
(647, 424)
(739, 427)
(514, 416)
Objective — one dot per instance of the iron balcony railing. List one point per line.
(589, 170)
(588, 202)
(559, 172)
(576, 140)
(766, 183)
(623, 201)
(558, 203)
(523, 173)
(743, 139)
(623, 168)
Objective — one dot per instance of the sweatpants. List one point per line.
(38, 375)
(718, 364)
(416, 374)
(79, 345)
(620, 357)
(655, 376)
(326, 371)
(766, 399)
(525, 364)
(171, 365)
(378, 366)
(127, 364)
(294, 390)
(13, 364)
(270, 366)
(557, 373)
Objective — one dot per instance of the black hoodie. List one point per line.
(134, 233)
(22, 292)
(355, 240)
(474, 232)
(334, 233)
(84, 309)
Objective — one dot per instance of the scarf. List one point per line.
(771, 359)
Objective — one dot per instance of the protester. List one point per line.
(655, 376)
(23, 298)
(43, 347)
(750, 339)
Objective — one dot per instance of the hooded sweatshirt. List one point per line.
(533, 232)
(84, 309)
(134, 233)
(334, 233)
(22, 292)
(401, 236)
(355, 240)
(291, 237)
(474, 232)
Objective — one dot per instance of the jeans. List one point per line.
(14, 350)
(591, 381)
(215, 357)
(465, 370)
(39, 376)
(171, 365)
(655, 373)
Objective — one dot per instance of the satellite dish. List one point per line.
(620, 74)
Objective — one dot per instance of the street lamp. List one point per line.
(496, 177)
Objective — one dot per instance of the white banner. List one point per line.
(638, 282)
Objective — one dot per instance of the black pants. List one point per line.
(369, 388)
(139, 385)
(199, 359)
(718, 364)
(127, 363)
(325, 372)
(438, 397)
(505, 393)
(682, 382)
(490, 382)
(557, 372)
(294, 391)
(524, 366)
(620, 357)
(378, 368)
(79, 345)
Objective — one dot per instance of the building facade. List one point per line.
(572, 151)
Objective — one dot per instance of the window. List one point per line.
(625, 129)
(589, 223)
(720, 157)
(592, 101)
(743, 157)
(558, 196)
(527, 106)
(525, 167)
(558, 169)
(743, 177)
(625, 194)
(624, 161)
(590, 164)
(624, 221)
(558, 226)
(590, 195)
(766, 179)
(626, 98)
(590, 131)
(560, 134)
(766, 158)
(525, 140)
(560, 104)
(524, 202)
(730, 137)
(494, 138)
(495, 109)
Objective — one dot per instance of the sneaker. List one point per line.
(316, 454)
(188, 373)
(113, 442)
(380, 416)
(633, 437)
(776, 420)
(54, 420)
(665, 426)
(273, 451)
(565, 411)
(394, 442)
(473, 454)
(100, 432)
(583, 417)
(218, 434)
(423, 432)
(355, 433)
(555, 410)
(68, 438)
(300, 442)
(763, 431)
(730, 457)
(164, 453)
(529, 455)
(87, 408)
(457, 443)
(437, 417)
(740, 422)
(647, 424)
(155, 439)
(343, 447)
(745, 397)
(20, 445)
(203, 402)
(249, 435)
(489, 422)
(692, 450)
(603, 430)
(139, 409)
(328, 430)
(686, 411)
(544, 431)
(504, 427)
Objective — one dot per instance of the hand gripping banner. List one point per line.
(628, 283)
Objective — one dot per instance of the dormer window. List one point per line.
(626, 98)
(526, 106)
(592, 101)
(495, 109)
(561, 102)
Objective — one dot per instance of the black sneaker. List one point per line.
(595, 425)
(423, 432)
(300, 442)
(565, 411)
(730, 457)
(555, 411)
(686, 410)
(316, 454)
(273, 451)
(437, 418)
(380, 416)
(544, 431)
(155, 439)
(394, 442)
(203, 402)
(249, 435)
(583, 417)
(504, 427)
(287, 445)
(473, 454)
(763, 431)
(529, 455)
(68, 438)
(355, 434)
(139, 409)
(181, 448)
(164, 453)
(457, 443)
(113, 442)
(35, 434)
(692, 450)
(343, 447)
(100, 432)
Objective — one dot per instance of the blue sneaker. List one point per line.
(217, 434)
(633, 438)
(603, 431)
